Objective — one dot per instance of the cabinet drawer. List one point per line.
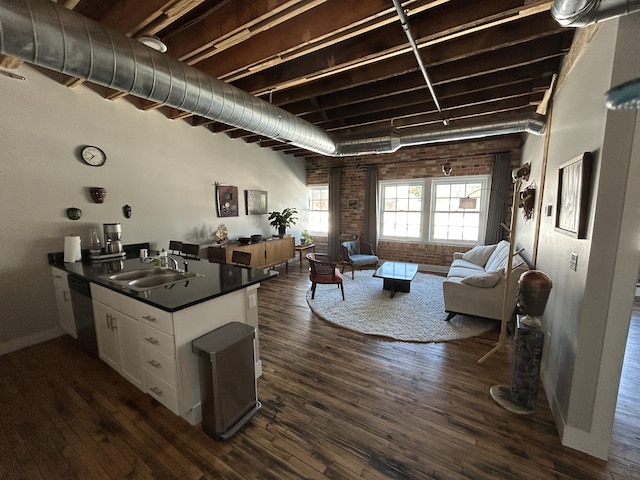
(161, 391)
(134, 308)
(159, 364)
(159, 340)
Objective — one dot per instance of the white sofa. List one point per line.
(476, 281)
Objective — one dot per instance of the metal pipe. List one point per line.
(46, 34)
(404, 21)
(581, 13)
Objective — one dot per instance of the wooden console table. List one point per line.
(303, 248)
(267, 253)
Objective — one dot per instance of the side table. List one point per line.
(303, 248)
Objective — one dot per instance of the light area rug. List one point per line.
(417, 316)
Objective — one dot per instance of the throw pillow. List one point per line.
(483, 280)
(479, 254)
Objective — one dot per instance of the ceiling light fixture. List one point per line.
(153, 42)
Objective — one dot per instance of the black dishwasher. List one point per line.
(83, 314)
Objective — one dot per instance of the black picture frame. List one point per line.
(574, 185)
(256, 202)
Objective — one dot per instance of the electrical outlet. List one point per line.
(573, 262)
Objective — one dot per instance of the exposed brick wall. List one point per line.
(466, 158)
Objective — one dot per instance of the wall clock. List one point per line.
(93, 156)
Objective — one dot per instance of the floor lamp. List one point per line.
(518, 175)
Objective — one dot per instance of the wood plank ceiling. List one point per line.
(347, 66)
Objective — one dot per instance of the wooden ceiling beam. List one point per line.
(312, 30)
(538, 48)
(135, 18)
(229, 23)
(339, 104)
(358, 53)
(407, 104)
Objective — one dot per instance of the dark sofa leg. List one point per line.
(450, 316)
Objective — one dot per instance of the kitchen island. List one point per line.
(146, 335)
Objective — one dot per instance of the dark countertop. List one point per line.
(218, 280)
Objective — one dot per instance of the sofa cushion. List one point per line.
(479, 254)
(465, 269)
(498, 258)
(483, 280)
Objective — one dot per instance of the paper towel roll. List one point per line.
(72, 249)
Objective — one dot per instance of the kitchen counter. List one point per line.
(217, 280)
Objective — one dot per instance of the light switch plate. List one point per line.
(573, 262)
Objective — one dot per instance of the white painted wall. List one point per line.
(165, 169)
(587, 317)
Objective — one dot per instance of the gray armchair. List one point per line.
(357, 254)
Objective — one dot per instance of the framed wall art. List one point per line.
(574, 179)
(227, 200)
(256, 202)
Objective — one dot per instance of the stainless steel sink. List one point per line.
(147, 278)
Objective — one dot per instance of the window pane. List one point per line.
(401, 214)
(318, 208)
(448, 220)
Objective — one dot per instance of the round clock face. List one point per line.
(93, 156)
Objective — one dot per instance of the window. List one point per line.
(318, 199)
(428, 209)
(449, 222)
(402, 210)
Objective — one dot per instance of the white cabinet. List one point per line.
(165, 362)
(118, 342)
(63, 301)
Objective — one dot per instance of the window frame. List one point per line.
(427, 212)
(310, 188)
(483, 192)
(421, 182)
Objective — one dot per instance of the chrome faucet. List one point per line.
(174, 262)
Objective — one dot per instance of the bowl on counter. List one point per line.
(256, 238)
(244, 240)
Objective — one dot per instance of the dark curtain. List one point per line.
(334, 213)
(370, 234)
(499, 196)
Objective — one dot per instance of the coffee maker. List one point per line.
(112, 238)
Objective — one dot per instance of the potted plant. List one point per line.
(305, 237)
(282, 220)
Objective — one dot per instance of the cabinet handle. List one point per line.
(154, 364)
(157, 391)
(66, 296)
(152, 340)
(151, 318)
(108, 315)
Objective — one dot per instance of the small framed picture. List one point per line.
(256, 202)
(574, 179)
(227, 200)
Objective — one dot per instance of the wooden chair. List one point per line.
(324, 271)
(216, 255)
(241, 258)
(191, 250)
(175, 247)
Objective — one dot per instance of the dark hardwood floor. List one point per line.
(336, 405)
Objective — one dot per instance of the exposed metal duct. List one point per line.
(387, 144)
(48, 35)
(580, 13)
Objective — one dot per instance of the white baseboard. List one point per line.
(23, 342)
